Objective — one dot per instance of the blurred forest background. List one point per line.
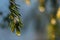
(40, 18)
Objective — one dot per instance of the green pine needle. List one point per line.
(14, 19)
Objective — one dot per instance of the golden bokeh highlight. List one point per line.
(50, 31)
(28, 2)
(41, 9)
(53, 36)
(58, 13)
(53, 21)
(41, 1)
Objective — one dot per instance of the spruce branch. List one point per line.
(14, 18)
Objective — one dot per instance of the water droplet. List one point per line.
(18, 33)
